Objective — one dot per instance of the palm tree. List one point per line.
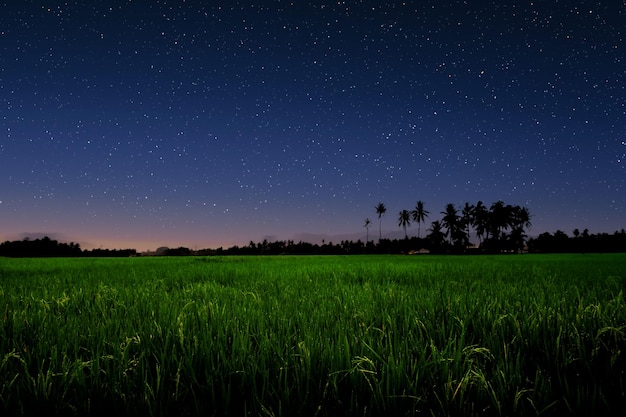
(404, 220)
(481, 216)
(436, 236)
(450, 220)
(380, 210)
(419, 215)
(520, 219)
(500, 217)
(367, 227)
(467, 214)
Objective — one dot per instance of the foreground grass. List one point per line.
(325, 336)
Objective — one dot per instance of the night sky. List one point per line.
(185, 123)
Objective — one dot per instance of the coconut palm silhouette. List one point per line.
(450, 221)
(367, 228)
(419, 215)
(467, 217)
(404, 220)
(380, 210)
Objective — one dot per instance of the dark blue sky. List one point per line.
(201, 124)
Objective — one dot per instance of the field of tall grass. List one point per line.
(318, 336)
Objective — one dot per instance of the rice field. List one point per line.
(314, 336)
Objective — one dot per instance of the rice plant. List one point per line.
(319, 336)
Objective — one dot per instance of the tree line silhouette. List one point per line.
(499, 228)
(49, 248)
(560, 242)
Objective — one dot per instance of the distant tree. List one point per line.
(180, 251)
(560, 242)
(467, 217)
(543, 243)
(419, 215)
(368, 222)
(404, 220)
(481, 221)
(162, 251)
(521, 217)
(519, 221)
(436, 235)
(380, 210)
(111, 253)
(560, 234)
(44, 247)
(450, 221)
(499, 219)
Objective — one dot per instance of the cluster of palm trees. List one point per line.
(499, 227)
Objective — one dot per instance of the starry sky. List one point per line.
(204, 124)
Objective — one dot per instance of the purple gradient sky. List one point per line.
(149, 123)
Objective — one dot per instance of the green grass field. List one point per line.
(321, 336)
